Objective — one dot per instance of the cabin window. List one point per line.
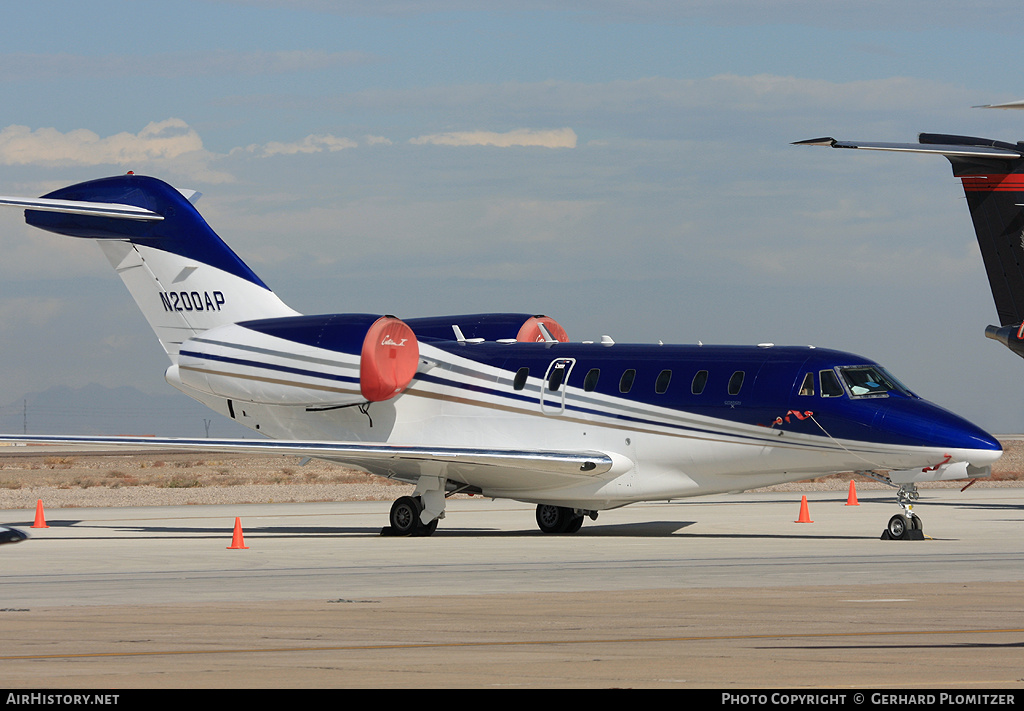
(736, 382)
(830, 386)
(626, 381)
(520, 380)
(661, 384)
(590, 382)
(808, 385)
(699, 381)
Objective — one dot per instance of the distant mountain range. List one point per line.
(98, 410)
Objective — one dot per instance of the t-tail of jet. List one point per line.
(992, 173)
(183, 277)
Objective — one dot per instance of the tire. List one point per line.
(898, 526)
(557, 519)
(551, 519)
(405, 516)
(427, 529)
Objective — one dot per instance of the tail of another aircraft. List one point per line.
(183, 277)
(992, 173)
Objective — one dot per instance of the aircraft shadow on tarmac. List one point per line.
(645, 529)
(904, 645)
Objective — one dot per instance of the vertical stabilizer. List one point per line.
(992, 173)
(183, 277)
(995, 196)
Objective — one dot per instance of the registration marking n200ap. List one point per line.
(192, 300)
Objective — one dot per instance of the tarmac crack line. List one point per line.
(507, 643)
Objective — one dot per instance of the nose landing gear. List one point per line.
(906, 526)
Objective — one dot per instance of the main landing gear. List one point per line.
(906, 526)
(417, 515)
(560, 519)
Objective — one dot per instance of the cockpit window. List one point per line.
(807, 388)
(871, 381)
(830, 385)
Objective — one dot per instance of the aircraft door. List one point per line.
(552, 391)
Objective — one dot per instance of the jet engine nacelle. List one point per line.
(506, 327)
(315, 361)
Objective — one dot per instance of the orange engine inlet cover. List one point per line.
(390, 357)
(530, 331)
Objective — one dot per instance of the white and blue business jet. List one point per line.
(500, 405)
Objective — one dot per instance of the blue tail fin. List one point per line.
(183, 277)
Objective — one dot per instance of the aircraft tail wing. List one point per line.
(992, 174)
(183, 277)
(931, 143)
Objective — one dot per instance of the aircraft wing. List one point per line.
(505, 468)
(944, 149)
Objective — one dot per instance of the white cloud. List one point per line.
(553, 138)
(309, 144)
(20, 145)
(171, 144)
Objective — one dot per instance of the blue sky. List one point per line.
(624, 167)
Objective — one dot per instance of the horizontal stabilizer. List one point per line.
(1007, 105)
(81, 207)
(944, 149)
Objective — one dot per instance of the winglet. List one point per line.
(826, 141)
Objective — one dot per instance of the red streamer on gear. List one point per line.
(799, 415)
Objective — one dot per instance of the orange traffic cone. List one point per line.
(236, 537)
(805, 516)
(40, 519)
(851, 500)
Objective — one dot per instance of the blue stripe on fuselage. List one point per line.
(271, 366)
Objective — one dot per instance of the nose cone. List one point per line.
(923, 424)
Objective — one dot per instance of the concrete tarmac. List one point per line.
(724, 592)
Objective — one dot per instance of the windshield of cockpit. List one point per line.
(871, 381)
